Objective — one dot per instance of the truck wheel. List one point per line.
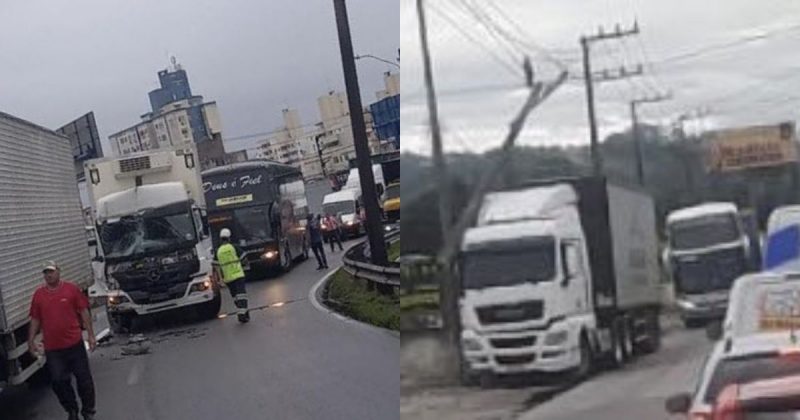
(585, 363)
(616, 356)
(210, 309)
(627, 340)
(120, 322)
(653, 341)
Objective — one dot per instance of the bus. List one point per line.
(264, 205)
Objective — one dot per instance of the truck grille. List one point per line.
(151, 283)
(518, 312)
(515, 360)
(134, 164)
(511, 343)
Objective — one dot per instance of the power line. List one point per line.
(516, 71)
(725, 45)
(493, 31)
(527, 41)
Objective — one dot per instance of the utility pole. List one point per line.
(377, 244)
(447, 290)
(586, 43)
(637, 141)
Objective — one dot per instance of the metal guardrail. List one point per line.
(389, 275)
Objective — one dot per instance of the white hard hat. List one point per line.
(225, 234)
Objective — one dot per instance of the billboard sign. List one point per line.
(752, 147)
(84, 139)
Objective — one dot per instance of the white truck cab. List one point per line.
(554, 276)
(152, 244)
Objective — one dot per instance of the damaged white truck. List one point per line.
(153, 245)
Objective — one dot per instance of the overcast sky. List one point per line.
(61, 59)
(752, 82)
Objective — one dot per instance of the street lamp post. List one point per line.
(359, 57)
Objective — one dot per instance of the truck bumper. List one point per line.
(519, 352)
(188, 299)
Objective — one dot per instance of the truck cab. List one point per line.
(556, 275)
(152, 252)
(525, 289)
(707, 250)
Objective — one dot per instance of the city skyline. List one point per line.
(252, 72)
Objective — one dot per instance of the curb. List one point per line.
(315, 296)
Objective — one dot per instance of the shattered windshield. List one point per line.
(136, 235)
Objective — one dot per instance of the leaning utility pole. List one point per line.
(445, 206)
(637, 142)
(586, 42)
(377, 244)
(447, 291)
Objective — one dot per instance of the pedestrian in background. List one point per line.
(58, 310)
(336, 232)
(231, 272)
(315, 238)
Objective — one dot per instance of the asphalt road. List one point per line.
(637, 391)
(292, 361)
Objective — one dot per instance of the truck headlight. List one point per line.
(556, 338)
(470, 341)
(116, 300)
(471, 344)
(202, 286)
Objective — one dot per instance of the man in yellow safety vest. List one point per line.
(231, 272)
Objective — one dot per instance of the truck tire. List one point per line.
(585, 364)
(120, 322)
(627, 339)
(616, 355)
(210, 309)
(653, 332)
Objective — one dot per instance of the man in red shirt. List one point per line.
(59, 309)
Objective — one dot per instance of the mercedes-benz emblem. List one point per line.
(153, 275)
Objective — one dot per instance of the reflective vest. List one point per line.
(229, 263)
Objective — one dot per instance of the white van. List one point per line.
(347, 206)
(354, 182)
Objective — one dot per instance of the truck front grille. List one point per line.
(511, 343)
(515, 360)
(517, 312)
